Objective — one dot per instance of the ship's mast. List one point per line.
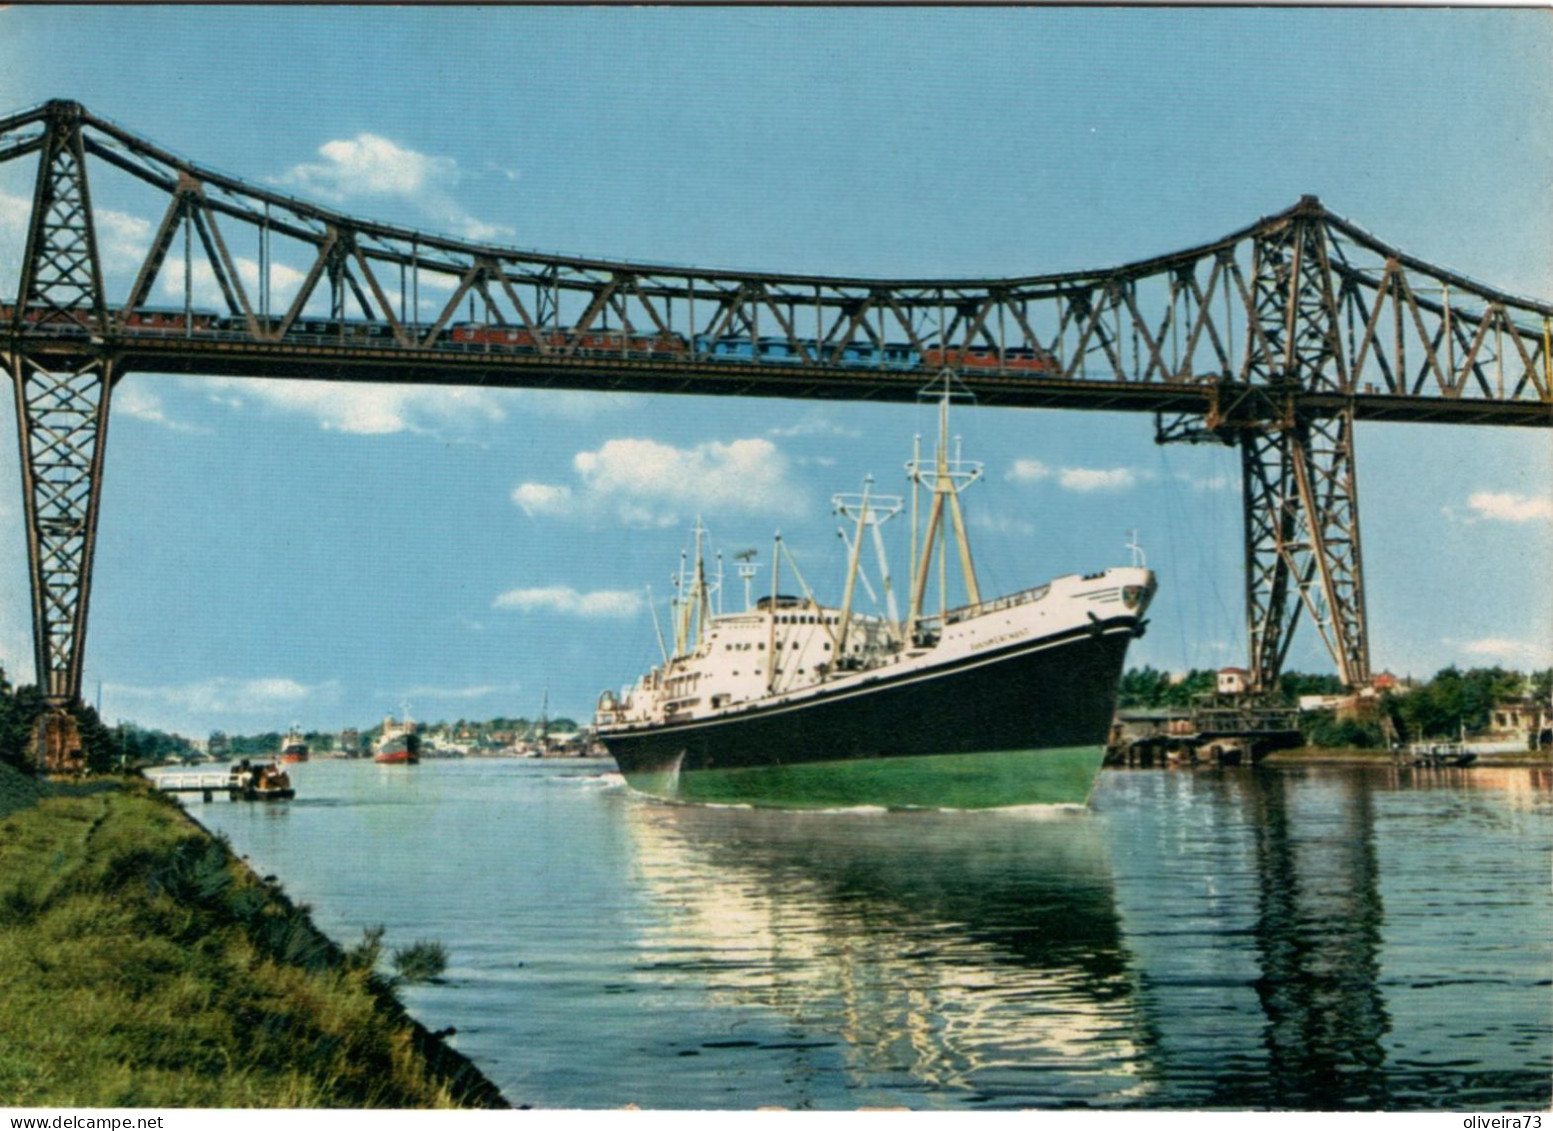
(945, 479)
(702, 610)
(1138, 558)
(694, 601)
(657, 629)
(771, 620)
(869, 511)
(681, 604)
(747, 571)
(852, 562)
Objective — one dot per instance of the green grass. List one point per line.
(141, 965)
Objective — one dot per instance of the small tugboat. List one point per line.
(264, 782)
(294, 747)
(399, 744)
(790, 703)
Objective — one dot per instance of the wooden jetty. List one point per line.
(1216, 731)
(244, 783)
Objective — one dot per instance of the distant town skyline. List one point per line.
(274, 551)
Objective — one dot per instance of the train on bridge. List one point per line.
(657, 345)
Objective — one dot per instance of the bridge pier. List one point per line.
(56, 742)
(1299, 488)
(63, 376)
(62, 418)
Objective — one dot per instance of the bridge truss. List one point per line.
(1277, 338)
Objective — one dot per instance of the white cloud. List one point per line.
(16, 643)
(1074, 478)
(369, 409)
(645, 483)
(1028, 471)
(542, 498)
(143, 404)
(14, 213)
(206, 292)
(601, 603)
(1095, 479)
(738, 475)
(1217, 482)
(815, 425)
(1514, 652)
(122, 240)
(368, 165)
(479, 231)
(502, 171)
(221, 695)
(647, 476)
(1002, 524)
(1505, 506)
(476, 692)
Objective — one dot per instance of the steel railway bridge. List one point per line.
(1276, 338)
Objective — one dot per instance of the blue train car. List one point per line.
(728, 347)
(778, 350)
(895, 355)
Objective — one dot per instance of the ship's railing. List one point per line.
(968, 612)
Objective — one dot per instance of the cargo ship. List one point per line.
(792, 703)
(293, 747)
(398, 745)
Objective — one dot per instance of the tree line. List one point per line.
(480, 732)
(1447, 705)
(121, 747)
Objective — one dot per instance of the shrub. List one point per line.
(424, 961)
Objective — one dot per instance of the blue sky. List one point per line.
(275, 551)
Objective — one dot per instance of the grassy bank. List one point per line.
(140, 964)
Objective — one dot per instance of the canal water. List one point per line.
(1312, 938)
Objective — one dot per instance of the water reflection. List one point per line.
(1318, 939)
(1286, 919)
(1351, 937)
(949, 951)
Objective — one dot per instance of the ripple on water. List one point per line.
(1341, 938)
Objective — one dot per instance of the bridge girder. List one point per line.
(1278, 337)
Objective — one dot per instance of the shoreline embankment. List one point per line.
(1351, 756)
(143, 964)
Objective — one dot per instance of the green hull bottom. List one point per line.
(992, 780)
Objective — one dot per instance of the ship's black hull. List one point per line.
(998, 723)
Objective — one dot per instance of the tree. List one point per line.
(19, 711)
(1455, 701)
(1324, 728)
(1142, 687)
(1292, 685)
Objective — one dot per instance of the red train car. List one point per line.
(1021, 359)
(147, 319)
(154, 319)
